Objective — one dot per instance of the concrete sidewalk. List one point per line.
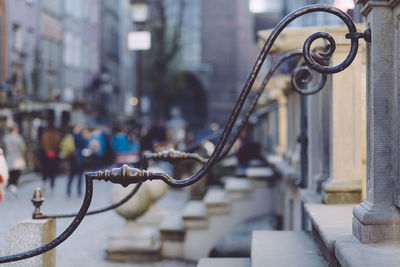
(86, 247)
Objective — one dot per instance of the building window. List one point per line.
(113, 42)
(17, 37)
(53, 6)
(77, 51)
(68, 49)
(72, 50)
(73, 8)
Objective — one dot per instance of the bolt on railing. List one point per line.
(126, 175)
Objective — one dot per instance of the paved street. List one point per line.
(86, 247)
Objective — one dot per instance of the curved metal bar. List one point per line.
(260, 90)
(63, 236)
(137, 175)
(40, 216)
(171, 155)
(299, 74)
(175, 155)
(302, 75)
(166, 155)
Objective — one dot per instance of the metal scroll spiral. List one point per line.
(302, 77)
(138, 176)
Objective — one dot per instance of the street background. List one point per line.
(86, 247)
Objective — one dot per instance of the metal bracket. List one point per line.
(366, 35)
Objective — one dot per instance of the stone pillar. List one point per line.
(290, 119)
(377, 219)
(282, 124)
(273, 129)
(31, 234)
(295, 159)
(318, 138)
(344, 183)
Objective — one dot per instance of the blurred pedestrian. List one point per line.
(109, 154)
(133, 142)
(50, 143)
(145, 139)
(97, 145)
(246, 151)
(86, 151)
(119, 142)
(15, 150)
(74, 143)
(126, 147)
(3, 174)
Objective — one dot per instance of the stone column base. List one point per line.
(347, 197)
(375, 233)
(134, 243)
(376, 225)
(341, 191)
(135, 255)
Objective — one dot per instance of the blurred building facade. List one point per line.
(23, 29)
(228, 48)
(217, 49)
(59, 56)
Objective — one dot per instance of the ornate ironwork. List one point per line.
(171, 155)
(38, 215)
(37, 201)
(126, 175)
(258, 93)
(64, 235)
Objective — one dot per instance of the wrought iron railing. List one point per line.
(126, 175)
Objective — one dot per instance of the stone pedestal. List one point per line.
(217, 202)
(344, 184)
(172, 237)
(134, 242)
(377, 219)
(31, 234)
(154, 215)
(238, 189)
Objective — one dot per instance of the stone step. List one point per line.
(259, 173)
(194, 215)
(172, 234)
(256, 163)
(134, 243)
(284, 248)
(237, 188)
(171, 228)
(248, 199)
(285, 170)
(219, 262)
(205, 222)
(217, 201)
(229, 162)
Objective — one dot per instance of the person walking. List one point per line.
(97, 145)
(50, 142)
(3, 173)
(14, 150)
(74, 144)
